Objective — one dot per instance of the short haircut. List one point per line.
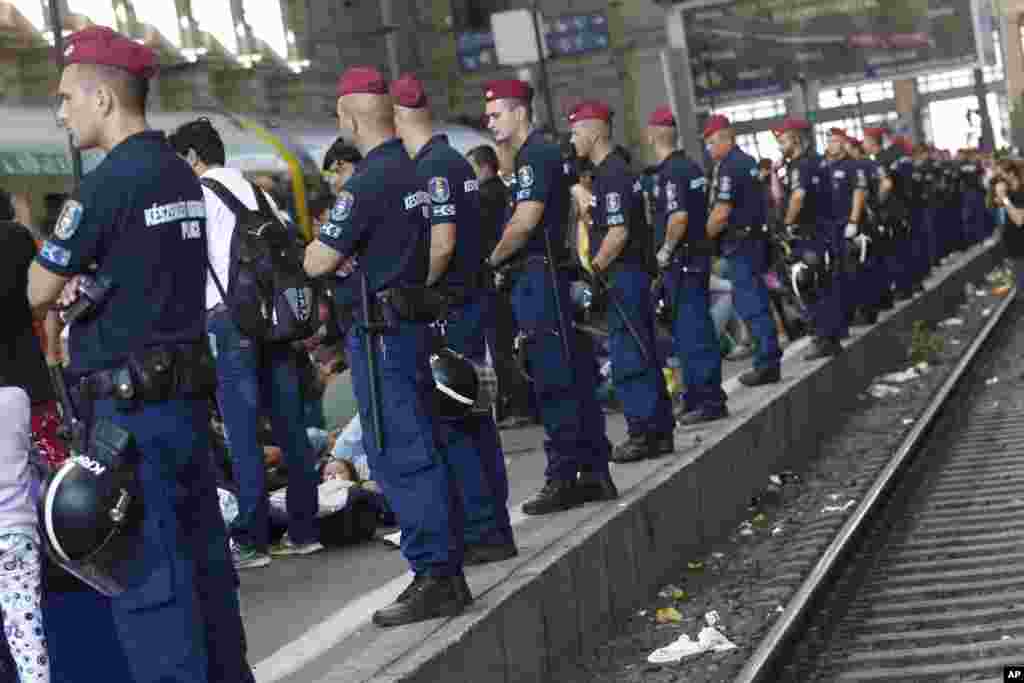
(131, 90)
(201, 136)
(484, 155)
(341, 151)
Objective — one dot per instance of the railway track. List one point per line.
(925, 580)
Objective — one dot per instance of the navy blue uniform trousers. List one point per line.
(179, 620)
(416, 479)
(695, 338)
(472, 445)
(748, 262)
(565, 391)
(829, 311)
(639, 382)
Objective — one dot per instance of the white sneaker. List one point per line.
(674, 652)
(247, 557)
(286, 547)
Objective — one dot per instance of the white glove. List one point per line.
(862, 242)
(664, 257)
(851, 231)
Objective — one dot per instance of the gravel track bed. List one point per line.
(748, 577)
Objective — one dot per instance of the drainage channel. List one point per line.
(925, 580)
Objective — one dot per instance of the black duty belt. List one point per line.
(736, 233)
(155, 375)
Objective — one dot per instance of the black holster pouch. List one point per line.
(92, 294)
(414, 304)
(111, 445)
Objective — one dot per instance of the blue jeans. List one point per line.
(256, 379)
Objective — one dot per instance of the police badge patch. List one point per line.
(67, 222)
(342, 207)
(439, 190)
(613, 202)
(526, 177)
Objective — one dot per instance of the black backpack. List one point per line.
(270, 297)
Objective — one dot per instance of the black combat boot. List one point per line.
(636, 447)
(485, 553)
(593, 487)
(427, 597)
(824, 348)
(556, 496)
(665, 443)
(702, 415)
(760, 376)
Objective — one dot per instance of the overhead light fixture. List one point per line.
(266, 19)
(163, 16)
(215, 17)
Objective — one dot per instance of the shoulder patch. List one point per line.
(670, 191)
(69, 219)
(439, 189)
(526, 176)
(343, 206)
(55, 253)
(613, 202)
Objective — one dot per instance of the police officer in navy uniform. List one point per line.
(618, 241)
(377, 241)
(737, 220)
(846, 184)
(972, 193)
(457, 239)
(140, 219)
(565, 388)
(894, 175)
(680, 208)
(806, 219)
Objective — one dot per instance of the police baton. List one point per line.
(370, 330)
(72, 429)
(553, 272)
(613, 297)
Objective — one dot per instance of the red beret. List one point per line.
(102, 45)
(662, 116)
(716, 123)
(905, 144)
(876, 133)
(508, 89)
(793, 123)
(590, 110)
(408, 92)
(838, 132)
(365, 80)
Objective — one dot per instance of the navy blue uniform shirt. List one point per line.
(805, 173)
(140, 217)
(845, 176)
(680, 186)
(735, 181)
(454, 198)
(540, 177)
(894, 164)
(379, 224)
(618, 201)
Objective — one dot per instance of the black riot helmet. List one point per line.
(456, 385)
(808, 276)
(91, 511)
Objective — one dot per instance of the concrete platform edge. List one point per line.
(538, 617)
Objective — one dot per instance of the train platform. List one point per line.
(308, 618)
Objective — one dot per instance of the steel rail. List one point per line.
(762, 664)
